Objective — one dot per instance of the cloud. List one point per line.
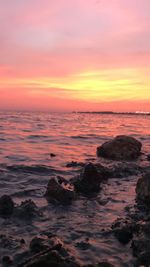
(48, 43)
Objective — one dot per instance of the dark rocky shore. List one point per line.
(47, 249)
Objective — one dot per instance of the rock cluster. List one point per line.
(48, 252)
(51, 251)
(136, 229)
(26, 210)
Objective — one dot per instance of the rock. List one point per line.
(141, 249)
(148, 157)
(83, 245)
(27, 210)
(75, 164)
(141, 243)
(9, 242)
(55, 242)
(145, 227)
(123, 230)
(52, 155)
(104, 171)
(48, 252)
(89, 180)
(22, 241)
(59, 191)
(124, 170)
(6, 206)
(105, 264)
(143, 189)
(38, 244)
(7, 260)
(122, 147)
(124, 235)
(50, 259)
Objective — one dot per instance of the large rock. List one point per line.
(89, 180)
(122, 147)
(48, 252)
(6, 206)
(59, 191)
(143, 189)
(50, 259)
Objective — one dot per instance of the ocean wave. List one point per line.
(35, 136)
(2, 139)
(79, 137)
(37, 169)
(17, 157)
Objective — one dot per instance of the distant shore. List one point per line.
(114, 113)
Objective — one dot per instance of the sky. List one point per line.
(71, 55)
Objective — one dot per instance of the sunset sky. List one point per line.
(75, 55)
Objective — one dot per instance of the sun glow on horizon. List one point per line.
(102, 85)
(103, 57)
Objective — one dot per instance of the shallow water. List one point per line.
(26, 141)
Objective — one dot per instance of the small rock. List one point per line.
(143, 189)
(148, 157)
(52, 155)
(58, 191)
(105, 264)
(124, 235)
(7, 260)
(38, 244)
(89, 180)
(74, 164)
(123, 230)
(83, 245)
(6, 206)
(22, 241)
(122, 147)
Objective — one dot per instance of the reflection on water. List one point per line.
(33, 136)
(26, 141)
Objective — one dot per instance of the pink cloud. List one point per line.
(46, 39)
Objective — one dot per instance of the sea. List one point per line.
(35, 146)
